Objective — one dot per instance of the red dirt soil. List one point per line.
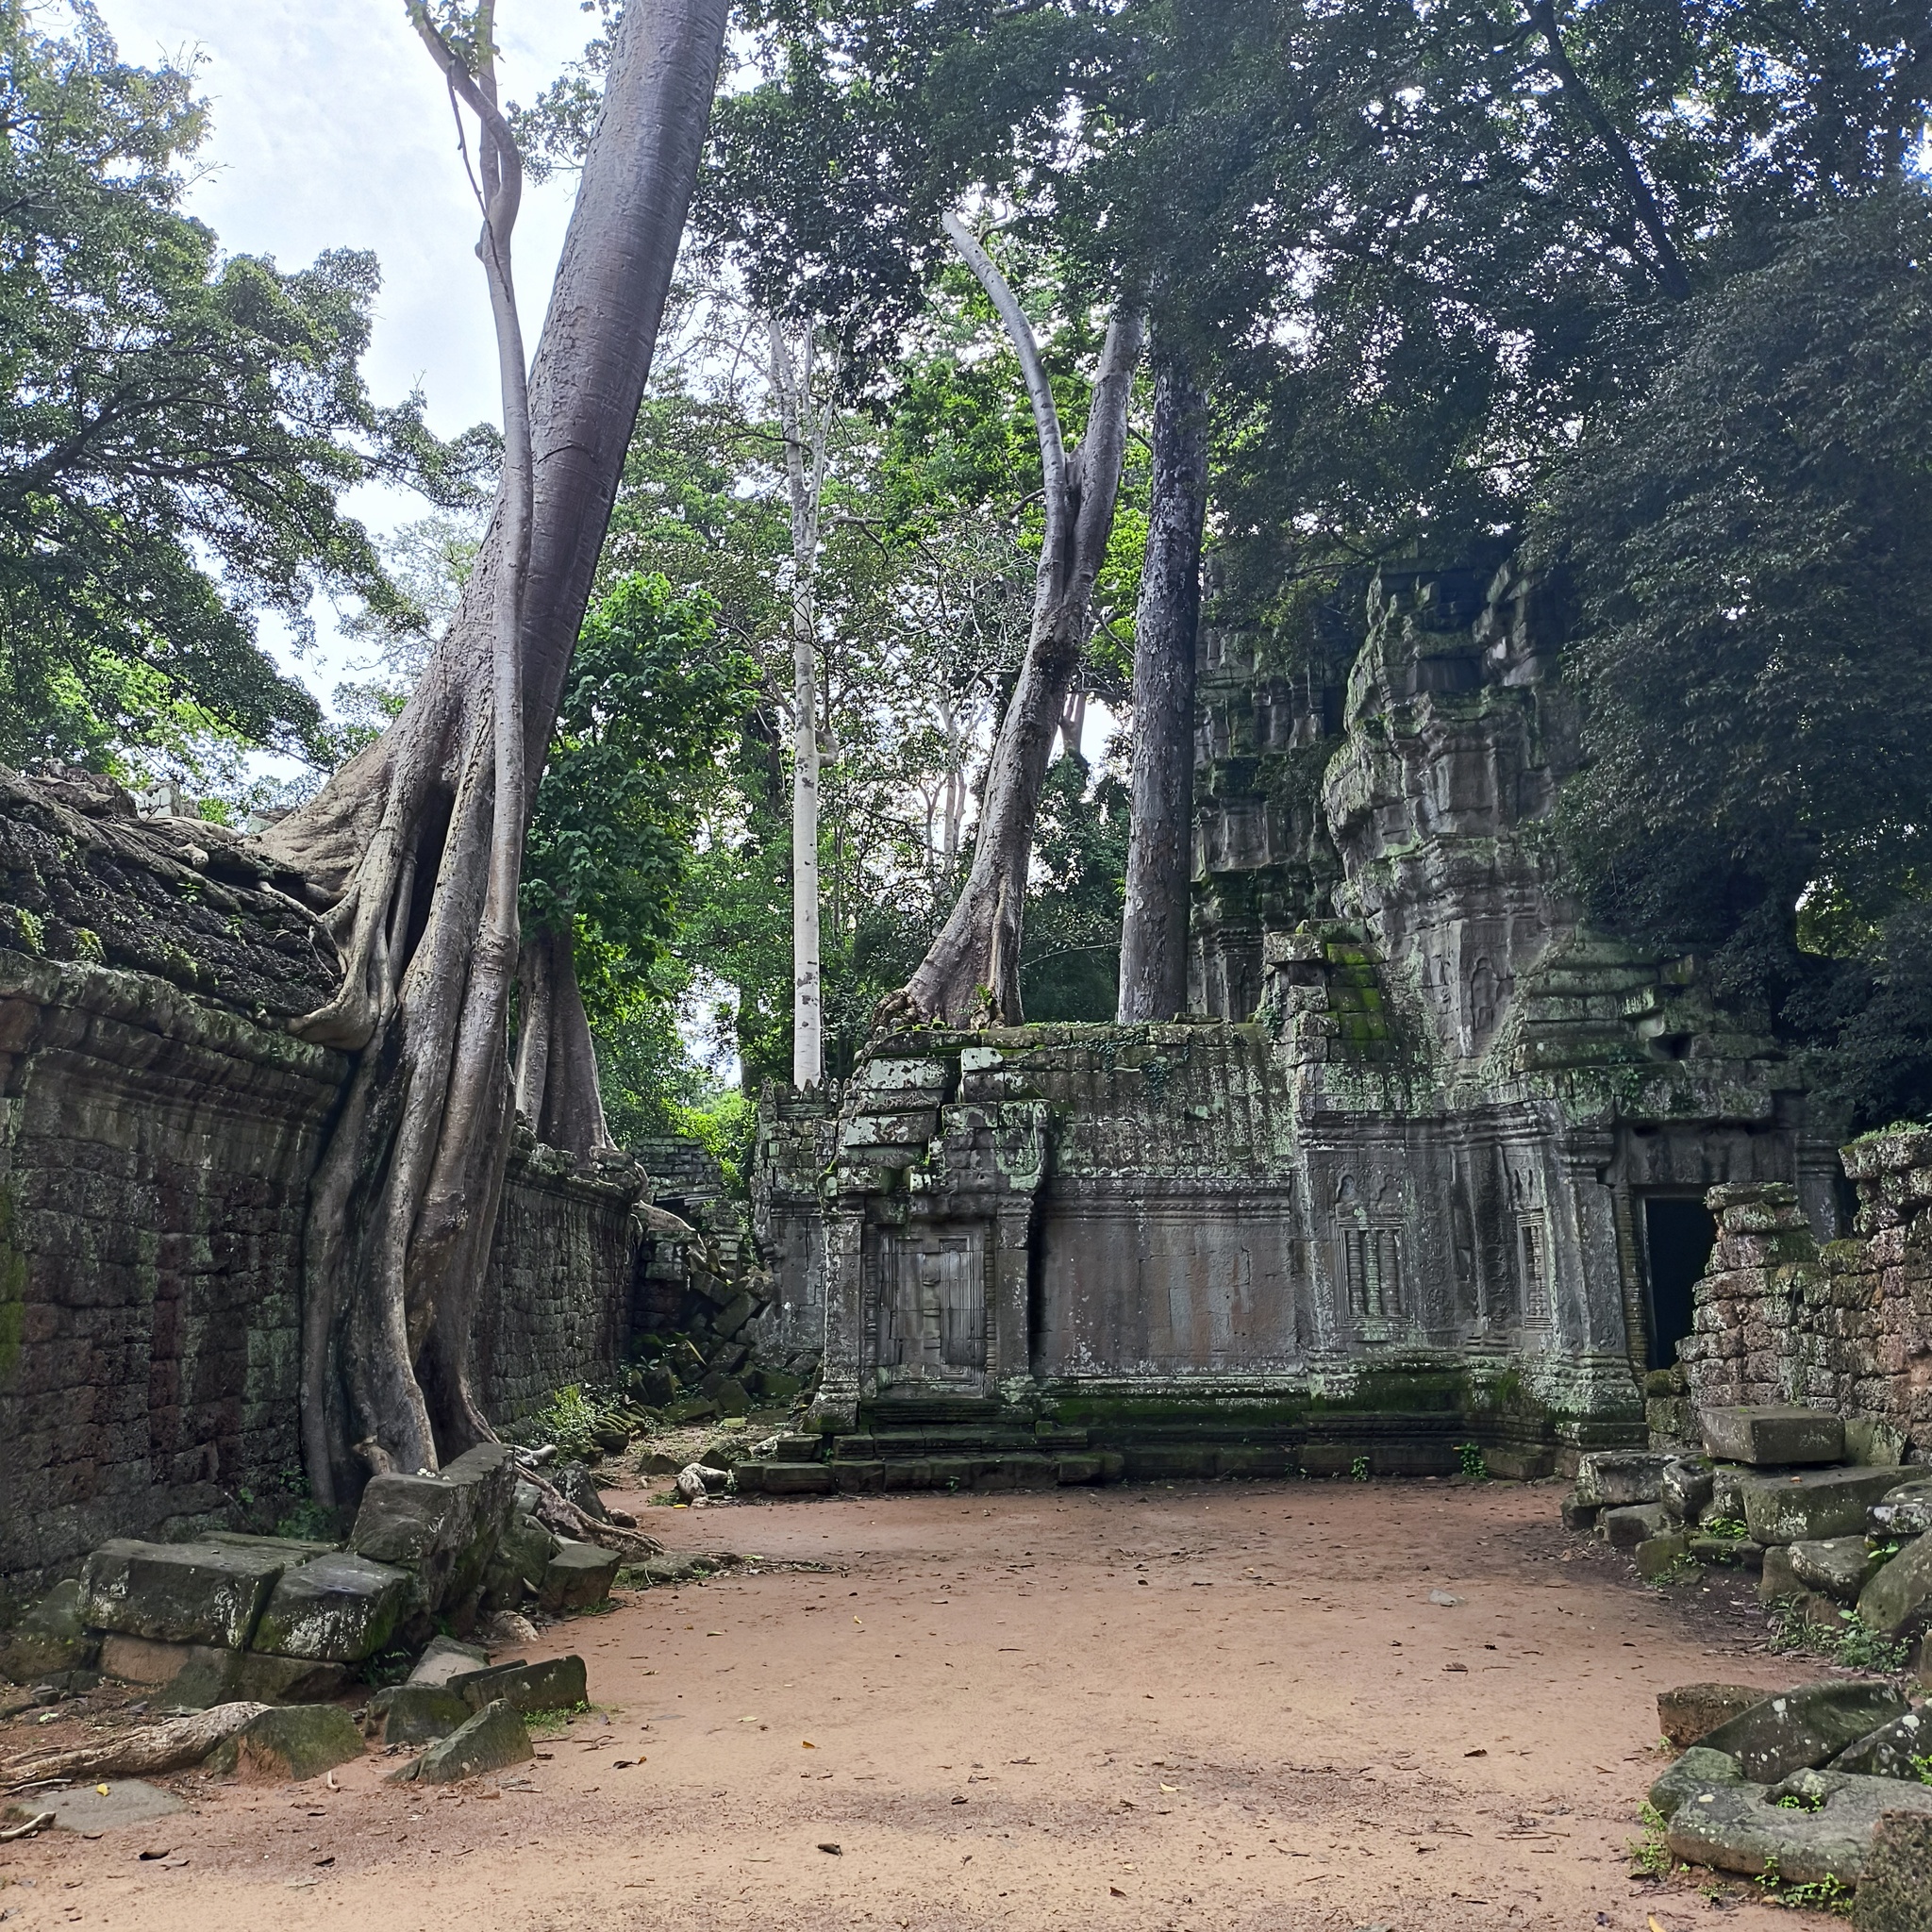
(1208, 1705)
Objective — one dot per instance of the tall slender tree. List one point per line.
(417, 839)
(972, 970)
(807, 403)
(1153, 936)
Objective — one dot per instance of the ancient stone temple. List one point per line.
(1426, 1167)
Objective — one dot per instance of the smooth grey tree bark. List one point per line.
(1154, 936)
(404, 1203)
(970, 975)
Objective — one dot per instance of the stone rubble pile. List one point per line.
(1816, 1785)
(274, 1629)
(1835, 1528)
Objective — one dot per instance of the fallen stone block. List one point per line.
(493, 1739)
(1656, 1556)
(338, 1608)
(49, 1638)
(1614, 1478)
(1811, 1507)
(1841, 1566)
(1685, 1489)
(1778, 1579)
(1697, 1772)
(578, 1577)
(1631, 1524)
(1893, 1749)
(1738, 1552)
(1798, 1730)
(1773, 1435)
(1903, 1511)
(445, 1657)
(1898, 1601)
(1579, 1518)
(419, 1714)
(296, 1742)
(198, 1676)
(1895, 1887)
(1747, 1830)
(441, 1528)
(1688, 1714)
(200, 1592)
(577, 1486)
(551, 1683)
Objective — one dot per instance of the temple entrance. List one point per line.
(1678, 1232)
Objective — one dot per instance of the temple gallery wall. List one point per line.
(1428, 1166)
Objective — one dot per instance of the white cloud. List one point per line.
(332, 129)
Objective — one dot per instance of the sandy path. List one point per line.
(1223, 1707)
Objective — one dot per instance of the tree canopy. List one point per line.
(176, 427)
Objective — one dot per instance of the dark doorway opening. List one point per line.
(1677, 1236)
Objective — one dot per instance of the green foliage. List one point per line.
(650, 700)
(176, 428)
(1359, 1470)
(1649, 1853)
(1828, 1894)
(1847, 1642)
(1474, 1464)
(1725, 1526)
(573, 1419)
(1753, 581)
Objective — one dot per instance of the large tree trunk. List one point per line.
(1154, 939)
(558, 1089)
(971, 973)
(403, 1205)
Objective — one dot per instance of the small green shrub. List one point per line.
(573, 1419)
(1474, 1464)
(1828, 1894)
(1359, 1470)
(1848, 1643)
(1728, 1526)
(1649, 1854)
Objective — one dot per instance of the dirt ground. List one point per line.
(1205, 1705)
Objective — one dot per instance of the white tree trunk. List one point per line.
(805, 420)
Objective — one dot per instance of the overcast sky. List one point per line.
(332, 130)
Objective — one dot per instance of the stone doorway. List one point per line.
(1678, 1232)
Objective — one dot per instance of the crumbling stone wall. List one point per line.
(1845, 1324)
(158, 1125)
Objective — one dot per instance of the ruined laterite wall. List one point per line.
(1845, 1325)
(155, 1154)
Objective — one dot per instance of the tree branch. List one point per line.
(1671, 271)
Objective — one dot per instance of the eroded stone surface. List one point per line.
(1893, 1749)
(337, 1608)
(1898, 1601)
(416, 1713)
(578, 1577)
(1685, 1714)
(1895, 1887)
(1697, 1772)
(1813, 1505)
(1799, 1729)
(297, 1742)
(179, 1592)
(1745, 1829)
(556, 1683)
(1841, 1566)
(1773, 1435)
(1903, 1511)
(493, 1739)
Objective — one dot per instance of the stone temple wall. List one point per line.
(1388, 1188)
(1843, 1324)
(154, 1152)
